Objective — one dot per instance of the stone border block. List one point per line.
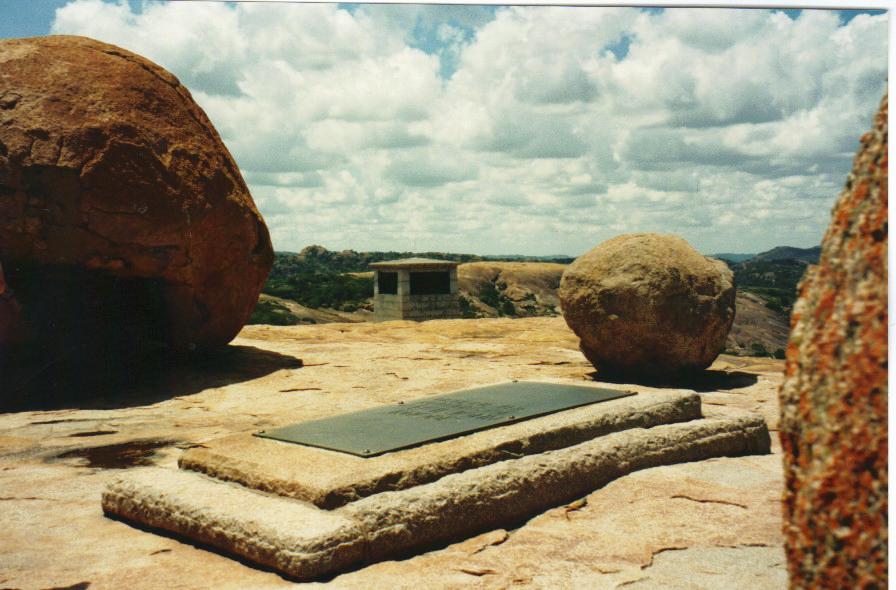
(295, 470)
(305, 542)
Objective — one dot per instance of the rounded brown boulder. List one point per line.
(648, 305)
(115, 186)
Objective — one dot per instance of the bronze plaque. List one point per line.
(379, 430)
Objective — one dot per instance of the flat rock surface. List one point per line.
(708, 524)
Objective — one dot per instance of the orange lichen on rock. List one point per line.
(834, 397)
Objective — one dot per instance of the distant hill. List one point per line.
(303, 290)
(512, 289)
(808, 255)
(319, 259)
(339, 283)
(758, 329)
(555, 258)
(493, 289)
(317, 285)
(774, 275)
(276, 311)
(730, 257)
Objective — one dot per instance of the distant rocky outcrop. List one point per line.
(834, 397)
(774, 274)
(317, 259)
(809, 255)
(120, 206)
(732, 257)
(513, 289)
(758, 330)
(305, 288)
(648, 304)
(280, 311)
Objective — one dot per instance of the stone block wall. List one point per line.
(405, 306)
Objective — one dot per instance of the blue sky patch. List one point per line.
(620, 47)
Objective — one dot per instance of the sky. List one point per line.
(536, 130)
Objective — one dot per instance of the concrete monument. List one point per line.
(415, 289)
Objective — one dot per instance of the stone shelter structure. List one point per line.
(415, 289)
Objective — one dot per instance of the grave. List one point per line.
(393, 479)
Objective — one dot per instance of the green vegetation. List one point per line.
(491, 294)
(810, 255)
(732, 258)
(272, 313)
(774, 274)
(317, 259)
(322, 289)
(317, 277)
(466, 308)
(528, 305)
(776, 299)
(758, 349)
(507, 308)
(774, 281)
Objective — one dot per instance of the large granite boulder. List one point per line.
(834, 396)
(648, 304)
(10, 317)
(116, 189)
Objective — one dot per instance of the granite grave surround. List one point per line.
(307, 512)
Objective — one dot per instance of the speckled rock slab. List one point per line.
(834, 399)
(305, 542)
(331, 479)
(280, 533)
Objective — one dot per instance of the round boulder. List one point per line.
(115, 187)
(648, 304)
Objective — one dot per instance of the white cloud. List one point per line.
(525, 129)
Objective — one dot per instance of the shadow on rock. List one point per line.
(118, 456)
(114, 379)
(706, 380)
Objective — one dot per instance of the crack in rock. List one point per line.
(630, 582)
(661, 550)
(705, 501)
(478, 571)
